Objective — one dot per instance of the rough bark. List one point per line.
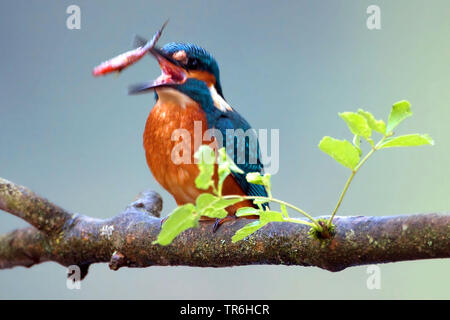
(126, 239)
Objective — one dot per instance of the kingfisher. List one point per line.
(189, 97)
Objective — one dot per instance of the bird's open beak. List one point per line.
(172, 73)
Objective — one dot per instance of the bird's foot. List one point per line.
(219, 222)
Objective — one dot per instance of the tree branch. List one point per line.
(126, 240)
(37, 211)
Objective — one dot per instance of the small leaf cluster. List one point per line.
(362, 124)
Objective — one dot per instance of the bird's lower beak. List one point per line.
(172, 73)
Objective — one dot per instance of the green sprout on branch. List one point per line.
(349, 154)
(362, 124)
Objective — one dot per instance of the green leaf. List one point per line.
(340, 150)
(400, 111)
(225, 159)
(247, 211)
(224, 166)
(257, 178)
(357, 143)
(180, 219)
(265, 218)
(260, 201)
(211, 206)
(409, 140)
(247, 230)
(376, 125)
(270, 216)
(206, 159)
(267, 181)
(284, 211)
(357, 124)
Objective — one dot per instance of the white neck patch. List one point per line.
(170, 95)
(219, 102)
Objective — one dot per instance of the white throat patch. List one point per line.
(219, 102)
(170, 95)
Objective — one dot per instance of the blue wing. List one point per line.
(244, 150)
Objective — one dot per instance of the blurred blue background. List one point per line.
(288, 65)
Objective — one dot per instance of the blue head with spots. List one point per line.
(196, 60)
(185, 67)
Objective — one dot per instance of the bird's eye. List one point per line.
(193, 63)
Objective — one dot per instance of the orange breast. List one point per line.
(169, 132)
